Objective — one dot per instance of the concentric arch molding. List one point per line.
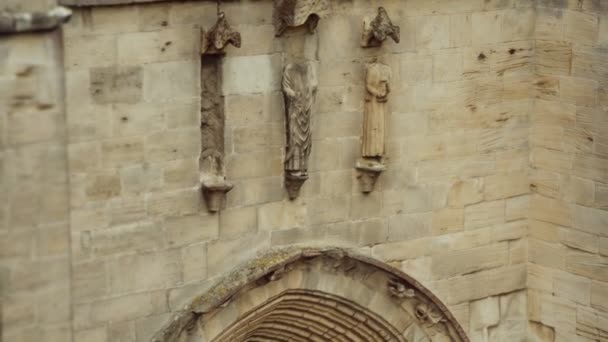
(314, 294)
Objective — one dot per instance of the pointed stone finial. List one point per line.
(221, 34)
(377, 30)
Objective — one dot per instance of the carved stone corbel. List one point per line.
(221, 34)
(377, 30)
(299, 88)
(377, 86)
(33, 21)
(291, 13)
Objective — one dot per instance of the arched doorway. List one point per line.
(310, 294)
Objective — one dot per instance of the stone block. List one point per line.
(506, 185)
(590, 167)
(419, 268)
(137, 119)
(466, 192)
(590, 220)
(590, 63)
(553, 58)
(361, 233)
(447, 221)
(119, 309)
(185, 230)
(486, 283)
(238, 222)
(550, 210)
(518, 24)
(460, 30)
(120, 152)
(89, 281)
(433, 32)
(85, 51)
(103, 185)
(546, 254)
(99, 334)
(409, 226)
(175, 81)
(254, 165)
(549, 24)
(578, 240)
(148, 271)
(173, 144)
(311, 235)
(578, 91)
(153, 16)
(174, 203)
(447, 67)
(251, 74)
(402, 250)
(603, 32)
(116, 84)
(166, 45)
(581, 27)
(462, 262)
(484, 214)
(484, 313)
(127, 238)
(281, 215)
(599, 295)
(107, 20)
(181, 173)
(223, 255)
(486, 27)
(194, 263)
(572, 287)
(517, 208)
(588, 265)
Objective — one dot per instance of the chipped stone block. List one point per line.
(553, 58)
(433, 32)
(588, 265)
(250, 74)
(580, 27)
(484, 313)
(484, 214)
(462, 262)
(116, 84)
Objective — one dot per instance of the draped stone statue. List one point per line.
(299, 87)
(377, 86)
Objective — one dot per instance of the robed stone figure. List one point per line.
(300, 87)
(377, 87)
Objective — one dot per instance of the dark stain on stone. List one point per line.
(168, 43)
(512, 51)
(124, 119)
(590, 139)
(164, 23)
(481, 57)
(472, 107)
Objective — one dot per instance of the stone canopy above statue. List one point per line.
(292, 13)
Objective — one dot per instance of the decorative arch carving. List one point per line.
(310, 294)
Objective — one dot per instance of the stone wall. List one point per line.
(494, 196)
(451, 209)
(568, 272)
(34, 195)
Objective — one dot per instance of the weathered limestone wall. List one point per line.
(34, 197)
(568, 245)
(451, 209)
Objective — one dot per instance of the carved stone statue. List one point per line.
(221, 34)
(299, 88)
(290, 13)
(377, 88)
(377, 30)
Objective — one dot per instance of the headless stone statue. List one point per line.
(299, 87)
(377, 86)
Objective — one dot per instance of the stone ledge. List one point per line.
(91, 3)
(33, 21)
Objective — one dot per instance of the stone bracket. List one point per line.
(33, 21)
(219, 36)
(369, 171)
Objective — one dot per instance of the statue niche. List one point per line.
(377, 86)
(291, 13)
(299, 87)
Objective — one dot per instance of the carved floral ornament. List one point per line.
(308, 294)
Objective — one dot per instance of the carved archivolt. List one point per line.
(291, 13)
(297, 294)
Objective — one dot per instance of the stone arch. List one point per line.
(311, 294)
